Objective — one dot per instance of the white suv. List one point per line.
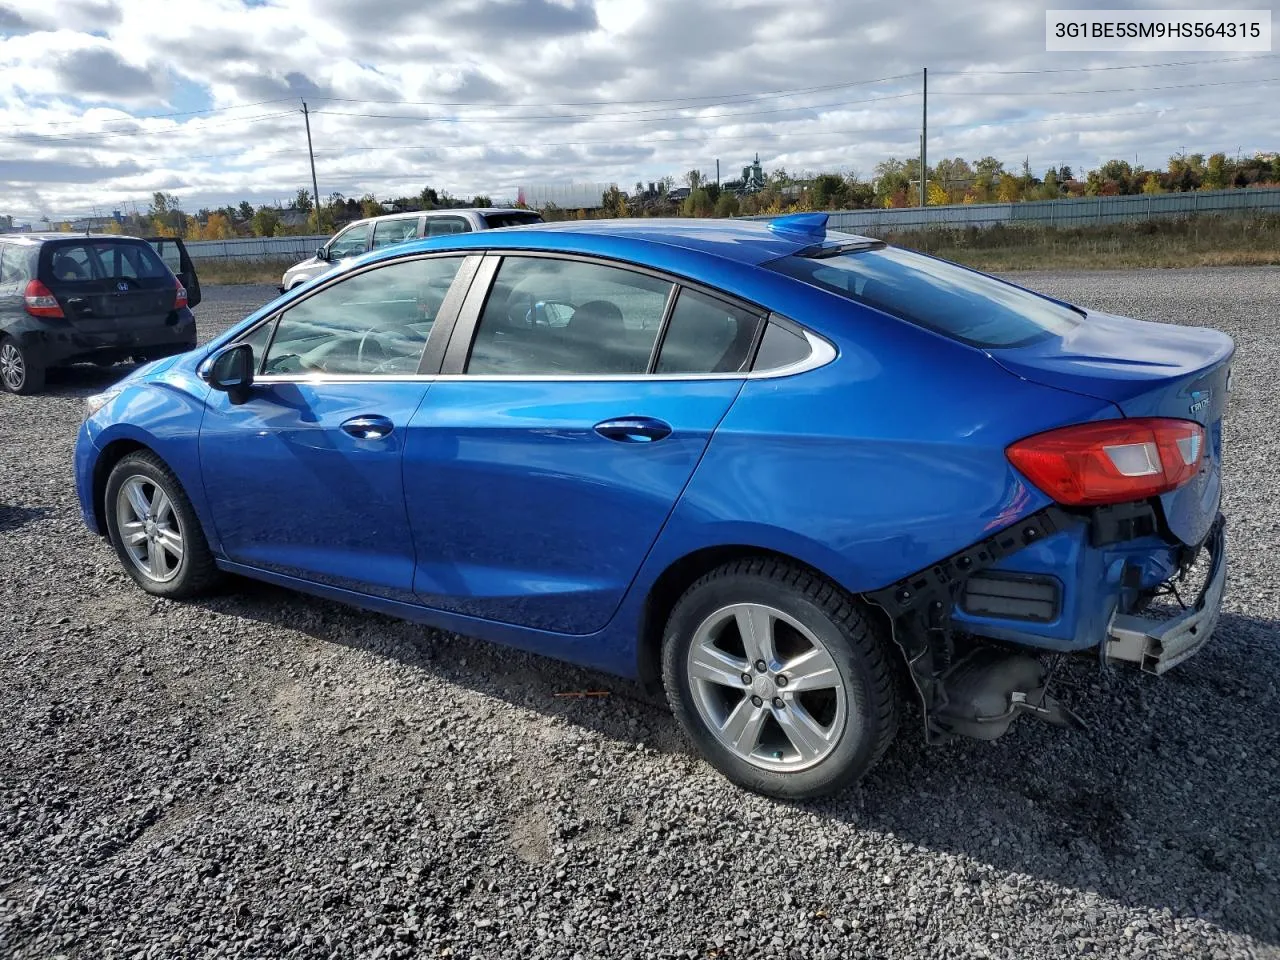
(376, 232)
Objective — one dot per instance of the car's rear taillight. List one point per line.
(1112, 461)
(40, 301)
(181, 300)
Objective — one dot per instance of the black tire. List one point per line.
(196, 573)
(834, 618)
(19, 372)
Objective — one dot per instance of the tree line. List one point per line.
(895, 183)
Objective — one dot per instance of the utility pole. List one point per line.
(924, 137)
(315, 188)
(718, 171)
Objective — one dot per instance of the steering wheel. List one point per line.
(370, 338)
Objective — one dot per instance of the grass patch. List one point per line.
(242, 271)
(1193, 242)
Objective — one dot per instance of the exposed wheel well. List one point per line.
(112, 454)
(670, 587)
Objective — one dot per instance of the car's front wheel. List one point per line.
(780, 679)
(155, 529)
(19, 371)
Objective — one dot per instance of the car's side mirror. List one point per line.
(230, 370)
(323, 254)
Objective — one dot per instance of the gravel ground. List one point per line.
(266, 775)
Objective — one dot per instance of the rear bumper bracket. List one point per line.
(919, 610)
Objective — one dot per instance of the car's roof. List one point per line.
(443, 212)
(743, 241)
(60, 235)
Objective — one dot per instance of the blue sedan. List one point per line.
(789, 475)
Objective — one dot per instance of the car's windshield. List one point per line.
(941, 296)
(105, 260)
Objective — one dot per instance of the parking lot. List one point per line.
(262, 774)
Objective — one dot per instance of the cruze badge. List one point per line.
(1200, 399)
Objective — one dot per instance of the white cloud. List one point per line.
(512, 91)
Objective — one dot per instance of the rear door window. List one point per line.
(551, 317)
(445, 226)
(958, 303)
(388, 232)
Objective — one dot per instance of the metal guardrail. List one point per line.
(1068, 212)
(256, 248)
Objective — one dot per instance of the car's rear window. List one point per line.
(950, 300)
(495, 220)
(105, 260)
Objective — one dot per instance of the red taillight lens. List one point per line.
(180, 300)
(1112, 461)
(40, 301)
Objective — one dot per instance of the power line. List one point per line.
(767, 95)
(601, 117)
(856, 131)
(1073, 93)
(37, 140)
(151, 116)
(1126, 66)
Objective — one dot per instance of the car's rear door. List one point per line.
(175, 256)
(108, 285)
(544, 461)
(304, 479)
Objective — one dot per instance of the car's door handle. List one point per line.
(633, 429)
(369, 427)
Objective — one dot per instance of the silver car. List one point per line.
(376, 232)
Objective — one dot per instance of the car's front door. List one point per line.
(304, 479)
(543, 463)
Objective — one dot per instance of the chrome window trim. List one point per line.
(820, 354)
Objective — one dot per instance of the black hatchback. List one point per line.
(68, 299)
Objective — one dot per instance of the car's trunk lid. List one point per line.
(105, 285)
(115, 304)
(1147, 370)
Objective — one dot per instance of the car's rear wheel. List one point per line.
(780, 679)
(19, 371)
(155, 530)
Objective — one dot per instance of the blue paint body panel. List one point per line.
(495, 509)
(293, 493)
(523, 514)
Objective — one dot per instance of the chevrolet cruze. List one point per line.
(790, 475)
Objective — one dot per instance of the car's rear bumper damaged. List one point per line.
(1160, 644)
(976, 687)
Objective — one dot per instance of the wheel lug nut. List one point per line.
(746, 678)
(761, 666)
(757, 702)
(780, 679)
(777, 702)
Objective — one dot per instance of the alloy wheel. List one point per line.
(13, 370)
(149, 528)
(767, 688)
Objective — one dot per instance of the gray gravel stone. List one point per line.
(267, 775)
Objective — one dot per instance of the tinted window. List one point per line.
(548, 317)
(443, 226)
(373, 323)
(350, 242)
(387, 232)
(105, 259)
(513, 219)
(953, 301)
(779, 347)
(706, 335)
(169, 252)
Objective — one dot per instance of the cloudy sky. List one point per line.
(103, 102)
